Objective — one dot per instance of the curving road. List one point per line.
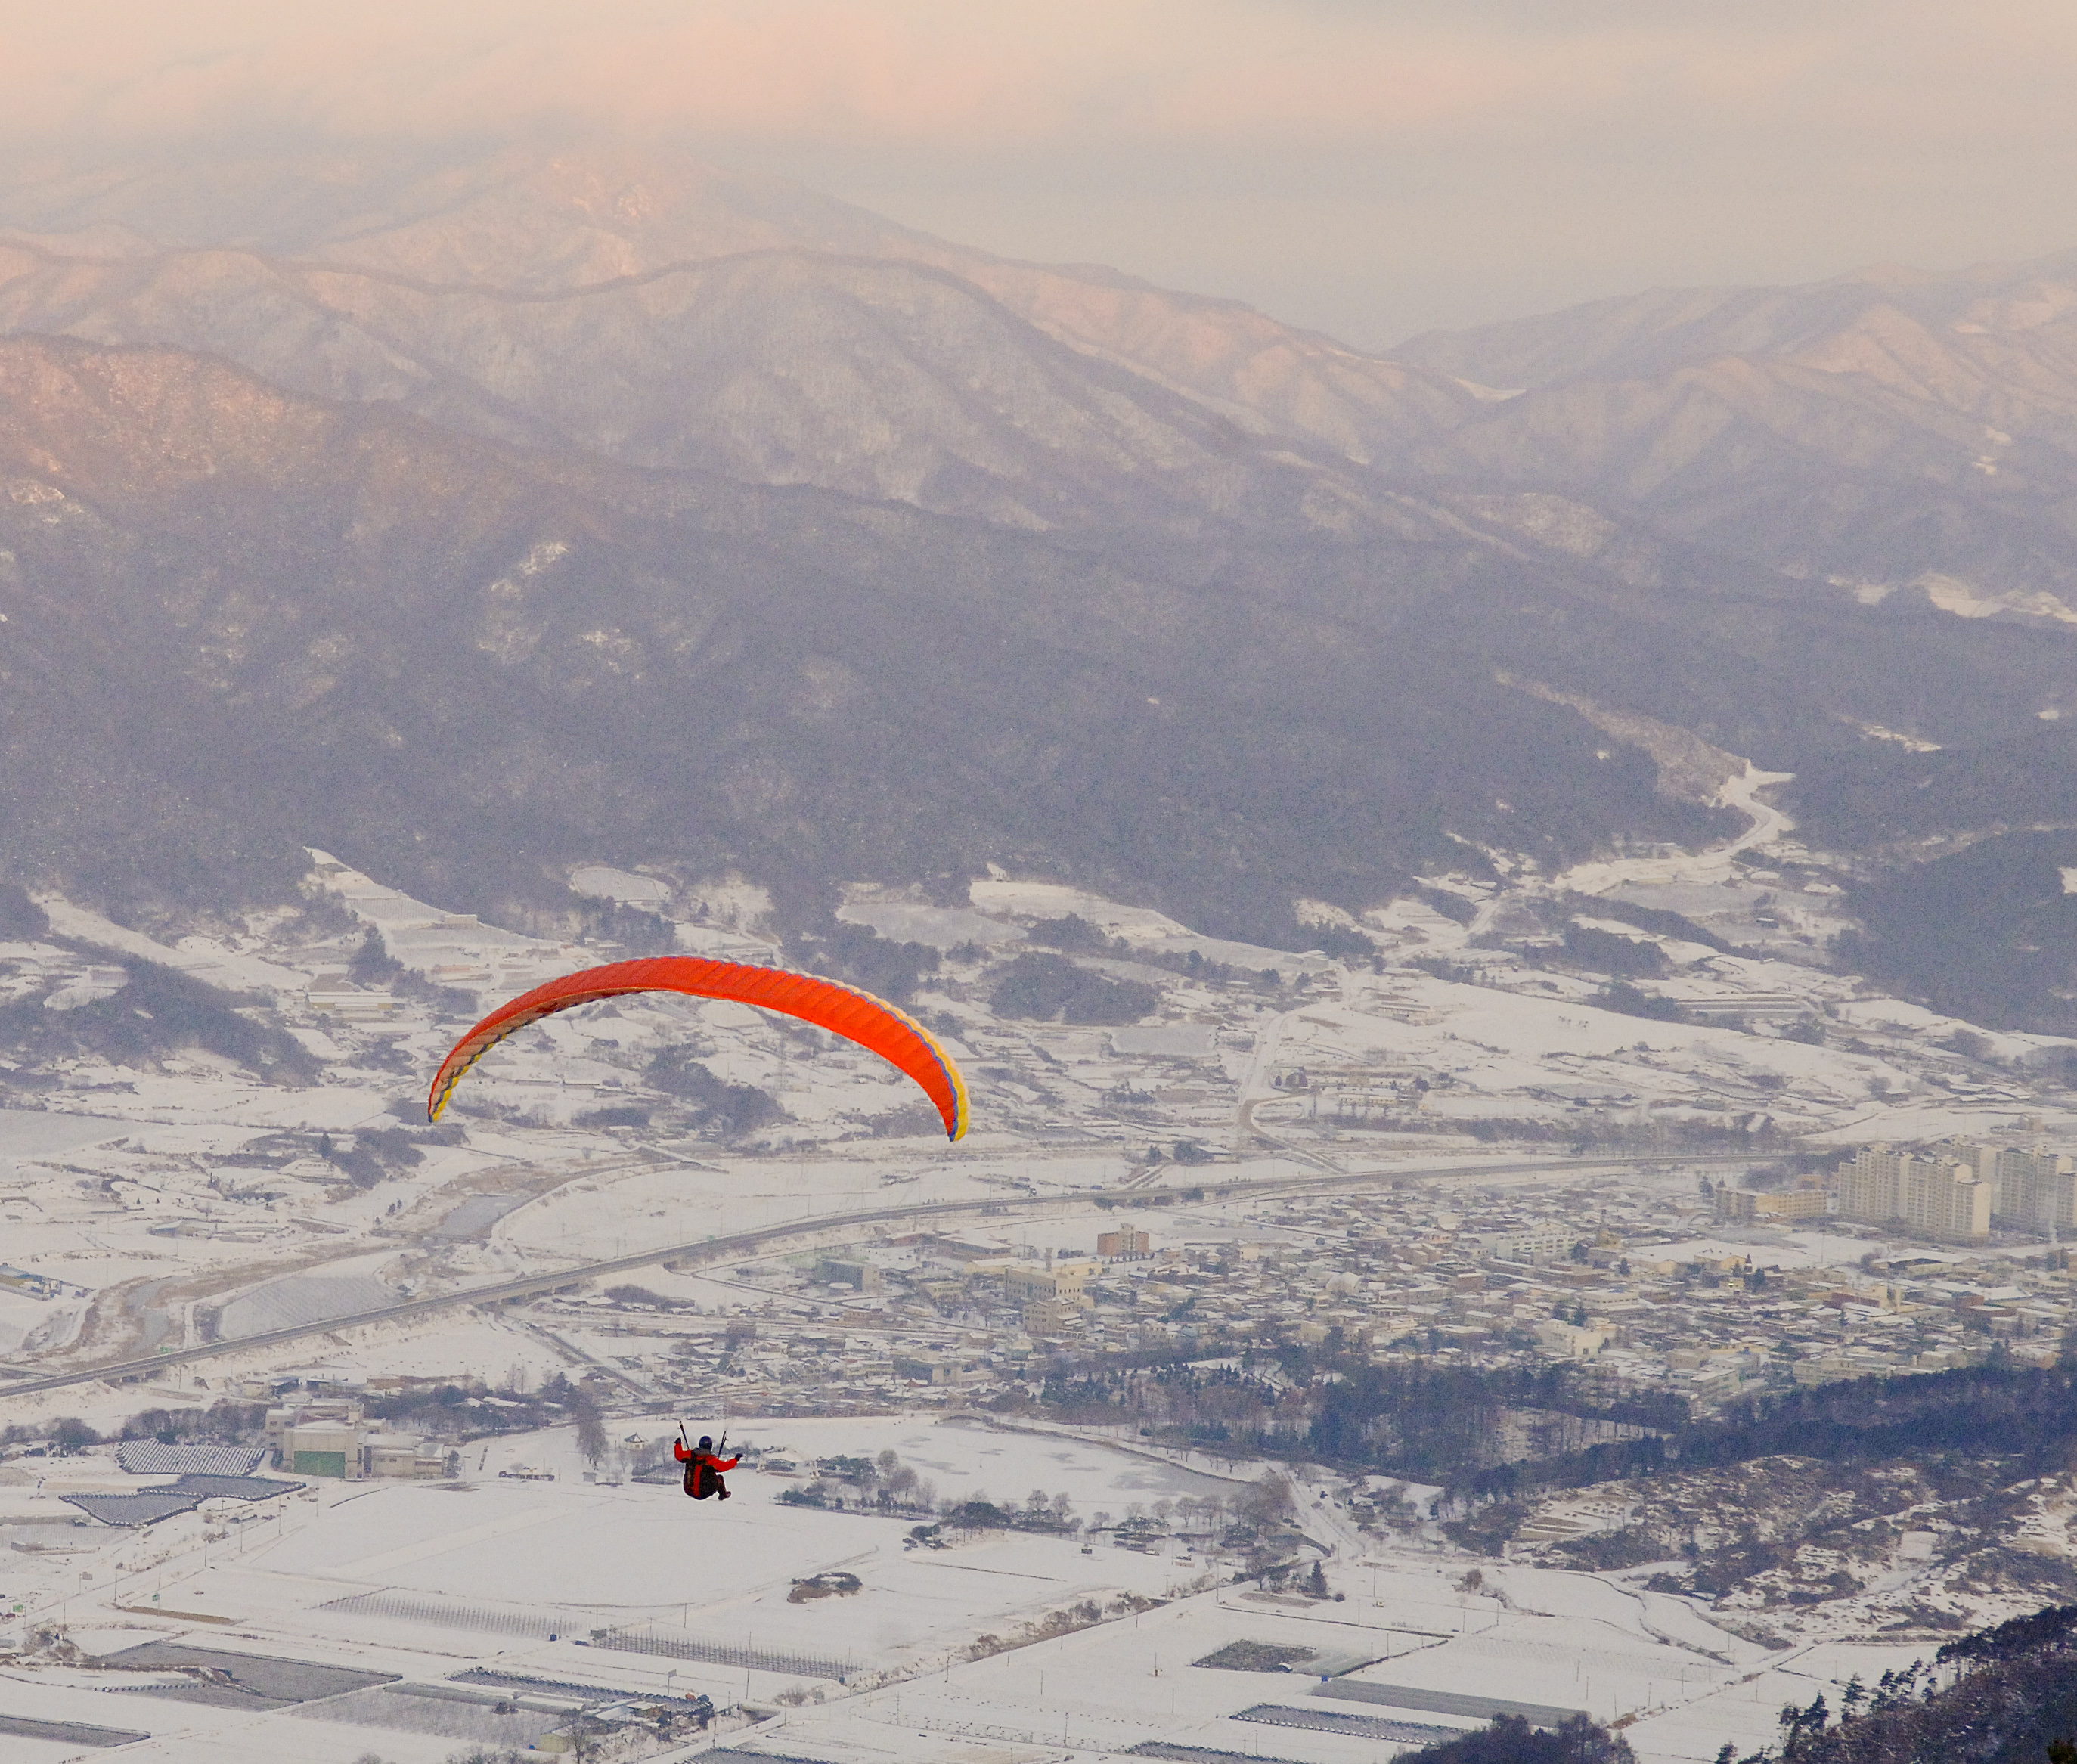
(1713, 864)
(725, 1248)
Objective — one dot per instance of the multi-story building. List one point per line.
(341, 1412)
(1049, 1317)
(922, 1367)
(1870, 1188)
(1939, 1196)
(2037, 1189)
(2029, 1188)
(323, 1448)
(1025, 1281)
(845, 1271)
(1124, 1242)
(1571, 1341)
(1545, 1242)
(1778, 1203)
(1944, 1199)
(328, 1437)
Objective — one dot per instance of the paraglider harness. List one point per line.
(704, 1465)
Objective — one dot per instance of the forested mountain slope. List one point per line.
(239, 621)
(794, 537)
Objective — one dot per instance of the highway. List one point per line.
(716, 1249)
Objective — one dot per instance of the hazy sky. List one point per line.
(1371, 167)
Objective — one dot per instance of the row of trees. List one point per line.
(2029, 1412)
(450, 1412)
(882, 1484)
(2002, 1696)
(1510, 1740)
(224, 1422)
(1416, 1420)
(1467, 1427)
(886, 1485)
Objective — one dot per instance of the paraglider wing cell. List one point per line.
(857, 1016)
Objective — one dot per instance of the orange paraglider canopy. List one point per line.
(844, 1010)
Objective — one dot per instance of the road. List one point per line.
(1741, 793)
(725, 1248)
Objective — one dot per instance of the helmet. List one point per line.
(707, 1442)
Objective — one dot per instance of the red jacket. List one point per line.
(685, 1456)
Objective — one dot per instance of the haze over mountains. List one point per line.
(472, 518)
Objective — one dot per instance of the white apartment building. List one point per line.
(2037, 1187)
(1940, 1196)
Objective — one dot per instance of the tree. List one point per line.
(591, 1425)
(372, 961)
(729, 1110)
(1051, 988)
(1269, 1499)
(1510, 1740)
(1801, 1727)
(1316, 1583)
(71, 1434)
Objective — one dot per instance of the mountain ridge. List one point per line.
(868, 376)
(344, 626)
(1601, 337)
(894, 560)
(514, 212)
(1811, 452)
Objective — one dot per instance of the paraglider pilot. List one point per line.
(703, 1469)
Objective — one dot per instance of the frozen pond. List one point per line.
(36, 1133)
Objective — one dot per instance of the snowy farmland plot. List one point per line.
(726, 1569)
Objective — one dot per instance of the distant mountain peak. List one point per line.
(555, 219)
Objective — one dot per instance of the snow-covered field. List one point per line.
(429, 1582)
